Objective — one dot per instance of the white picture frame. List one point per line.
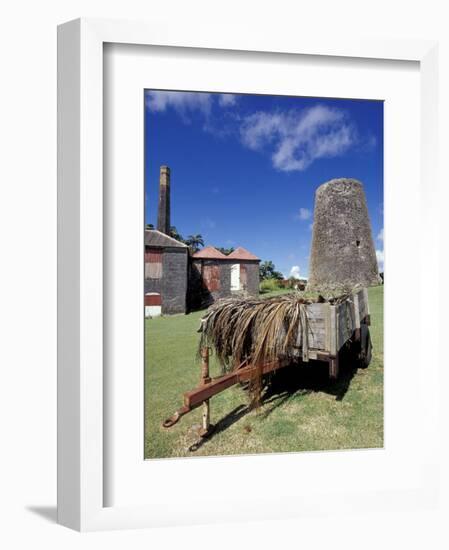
(81, 408)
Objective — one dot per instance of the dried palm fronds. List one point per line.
(258, 331)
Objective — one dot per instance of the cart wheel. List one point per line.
(366, 347)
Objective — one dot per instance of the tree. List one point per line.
(267, 270)
(194, 242)
(175, 235)
(225, 251)
(149, 226)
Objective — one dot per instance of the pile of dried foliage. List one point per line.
(258, 331)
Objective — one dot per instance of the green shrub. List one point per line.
(268, 285)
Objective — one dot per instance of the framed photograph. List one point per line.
(278, 327)
(226, 211)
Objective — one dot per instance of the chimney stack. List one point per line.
(163, 217)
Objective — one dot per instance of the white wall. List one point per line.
(28, 236)
(235, 277)
(152, 311)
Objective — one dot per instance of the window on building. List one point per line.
(153, 263)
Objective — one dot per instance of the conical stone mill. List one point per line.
(343, 253)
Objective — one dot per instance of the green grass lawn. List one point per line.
(302, 409)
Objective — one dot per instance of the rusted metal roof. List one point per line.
(241, 253)
(210, 253)
(156, 238)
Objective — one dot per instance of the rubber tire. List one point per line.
(366, 347)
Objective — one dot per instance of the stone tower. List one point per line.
(163, 215)
(342, 244)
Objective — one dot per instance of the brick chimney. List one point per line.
(163, 216)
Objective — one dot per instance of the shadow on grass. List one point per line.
(306, 378)
(224, 423)
(288, 382)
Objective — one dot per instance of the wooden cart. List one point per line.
(326, 328)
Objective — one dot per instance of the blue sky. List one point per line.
(244, 168)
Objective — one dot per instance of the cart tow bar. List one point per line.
(175, 417)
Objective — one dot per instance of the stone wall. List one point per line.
(199, 296)
(173, 285)
(174, 280)
(252, 274)
(153, 285)
(343, 251)
(225, 280)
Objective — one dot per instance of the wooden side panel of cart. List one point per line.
(329, 327)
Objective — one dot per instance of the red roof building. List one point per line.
(241, 253)
(209, 253)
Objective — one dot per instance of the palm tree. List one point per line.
(194, 242)
(175, 234)
(267, 270)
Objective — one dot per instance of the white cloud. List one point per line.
(297, 138)
(304, 214)
(294, 139)
(294, 272)
(227, 100)
(182, 102)
(311, 226)
(185, 103)
(380, 236)
(380, 259)
(260, 128)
